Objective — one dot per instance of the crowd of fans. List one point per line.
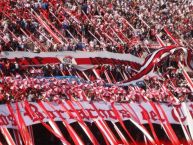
(35, 84)
(89, 25)
(137, 27)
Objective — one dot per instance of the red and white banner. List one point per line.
(90, 114)
(144, 67)
(77, 54)
(157, 56)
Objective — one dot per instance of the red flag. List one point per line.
(55, 127)
(7, 136)
(21, 124)
(104, 127)
(80, 120)
(137, 123)
(146, 115)
(77, 140)
(121, 122)
(27, 106)
(170, 132)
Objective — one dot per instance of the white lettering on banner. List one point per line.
(89, 113)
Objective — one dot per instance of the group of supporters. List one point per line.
(50, 83)
(89, 25)
(137, 27)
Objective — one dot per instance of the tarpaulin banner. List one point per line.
(88, 113)
(62, 55)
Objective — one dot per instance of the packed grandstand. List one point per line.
(96, 72)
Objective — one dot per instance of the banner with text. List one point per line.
(89, 113)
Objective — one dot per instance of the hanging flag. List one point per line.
(20, 124)
(7, 136)
(27, 106)
(77, 140)
(53, 124)
(121, 122)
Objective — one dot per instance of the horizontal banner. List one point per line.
(77, 54)
(88, 112)
(100, 61)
